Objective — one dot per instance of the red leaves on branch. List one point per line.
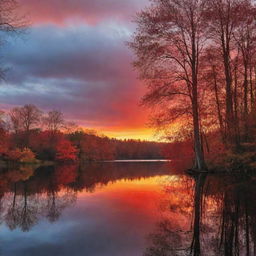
(65, 151)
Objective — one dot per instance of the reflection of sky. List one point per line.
(112, 221)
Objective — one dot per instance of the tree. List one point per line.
(245, 36)
(30, 116)
(65, 151)
(24, 119)
(11, 21)
(15, 120)
(225, 16)
(54, 121)
(214, 78)
(168, 44)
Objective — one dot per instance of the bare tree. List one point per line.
(15, 120)
(225, 17)
(12, 21)
(29, 116)
(24, 119)
(54, 121)
(245, 36)
(214, 77)
(168, 44)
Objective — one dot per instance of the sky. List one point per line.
(73, 58)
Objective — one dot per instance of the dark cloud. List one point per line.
(82, 70)
(78, 52)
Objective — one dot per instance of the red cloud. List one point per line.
(91, 11)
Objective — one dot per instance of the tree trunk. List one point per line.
(196, 240)
(245, 85)
(199, 154)
(236, 119)
(222, 131)
(251, 89)
(200, 164)
(225, 44)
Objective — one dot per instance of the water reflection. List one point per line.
(108, 209)
(97, 209)
(28, 194)
(26, 197)
(213, 215)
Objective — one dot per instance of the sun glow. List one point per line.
(138, 134)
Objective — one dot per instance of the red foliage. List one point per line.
(65, 174)
(65, 151)
(44, 140)
(4, 142)
(14, 155)
(19, 155)
(48, 145)
(179, 150)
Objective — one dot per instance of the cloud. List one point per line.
(81, 70)
(81, 52)
(74, 59)
(90, 11)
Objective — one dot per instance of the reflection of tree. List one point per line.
(167, 241)
(42, 195)
(101, 174)
(238, 220)
(28, 214)
(198, 194)
(53, 212)
(173, 233)
(57, 203)
(59, 197)
(223, 221)
(23, 211)
(18, 215)
(12, 216)
(28, 194)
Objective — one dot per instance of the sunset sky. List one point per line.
(74, 59)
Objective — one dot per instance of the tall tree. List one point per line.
(214, 77)
(245, 35)
(168, 43)
(224, 17)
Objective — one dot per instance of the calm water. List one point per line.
(125, 209)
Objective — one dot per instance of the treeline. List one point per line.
(93, 147)
(198, 59)
(28, 135)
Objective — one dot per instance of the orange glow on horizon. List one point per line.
(123, 133)
(138, 134)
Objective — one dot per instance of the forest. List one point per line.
(28, 135)
(197, 59)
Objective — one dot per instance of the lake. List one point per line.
(125, 209)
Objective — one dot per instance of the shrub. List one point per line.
(65, 151)
(19, 155)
